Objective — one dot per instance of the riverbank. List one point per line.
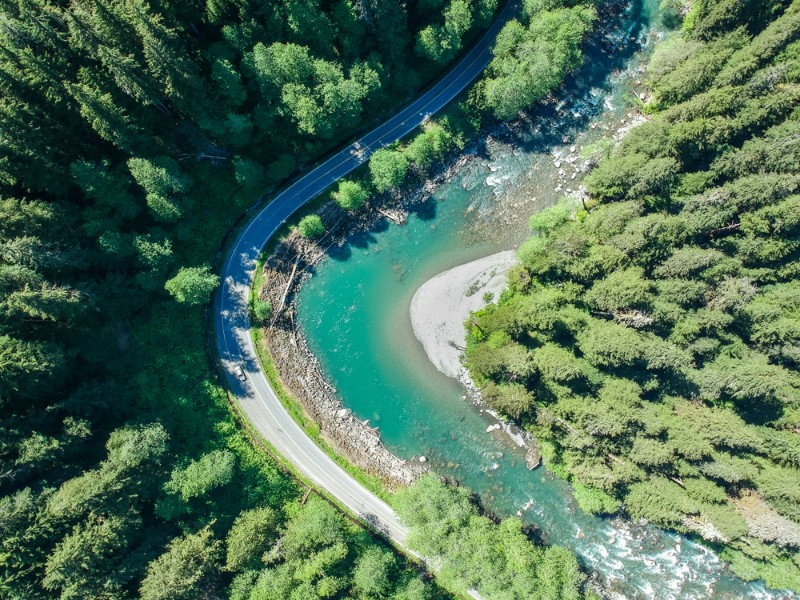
(442, 304)
(299, 373)
(438, 311)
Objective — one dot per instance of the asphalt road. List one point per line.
(231, 321)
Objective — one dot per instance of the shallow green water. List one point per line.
(355, 313)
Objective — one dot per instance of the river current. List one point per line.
(355, 314)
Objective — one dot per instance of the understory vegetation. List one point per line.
(650, 336)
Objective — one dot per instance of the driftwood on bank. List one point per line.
(398, 217)
(289, 283)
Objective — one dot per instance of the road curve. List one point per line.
(231, 320)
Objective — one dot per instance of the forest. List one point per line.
(650, 335)
(133, 136)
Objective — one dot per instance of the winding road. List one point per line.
(230, 314)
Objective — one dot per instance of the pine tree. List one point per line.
(26, 366)
(106, 117)
(192, 285)
(168, 61)
(189, 567)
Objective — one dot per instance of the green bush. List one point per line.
(262, 311)
(311, 227)
(594, 501)
(192, 285)
(351, 195)
(530, 62)
(474, 552)
(388, 169)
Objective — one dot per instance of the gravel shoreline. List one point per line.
(442, 304)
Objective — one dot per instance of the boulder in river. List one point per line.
(533, 457)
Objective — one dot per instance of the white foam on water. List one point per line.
(617, 565)
(494, 181)
(668, 556)
(647, 589)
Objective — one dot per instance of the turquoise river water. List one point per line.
(355, 314)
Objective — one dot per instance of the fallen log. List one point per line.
(400, 219)
(288, 285)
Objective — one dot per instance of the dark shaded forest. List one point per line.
(650, 336)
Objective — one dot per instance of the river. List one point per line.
(355, 314)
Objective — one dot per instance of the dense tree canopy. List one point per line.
(498, 561)
(440, 42)
(530, 61)
(192, 285)
(319, 555)
(654, 330)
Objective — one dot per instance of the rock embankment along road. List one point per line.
(234, 343)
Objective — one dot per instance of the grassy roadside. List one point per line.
(295, 408)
